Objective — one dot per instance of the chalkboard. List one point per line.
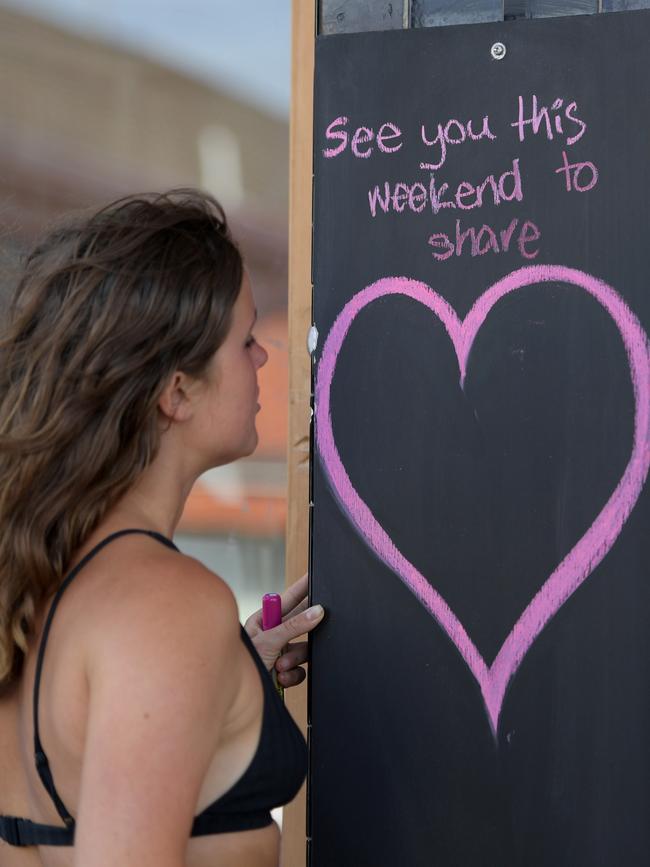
(480, 692)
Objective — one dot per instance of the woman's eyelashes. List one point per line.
(251, 340)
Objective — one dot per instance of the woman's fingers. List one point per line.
(299, 618)
(291, 678)
(295, 655)
(253, 624)
(294, 594)
(269, 643)
(297, 625)
(294, 601)
(302, 606)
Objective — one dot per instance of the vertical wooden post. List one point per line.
(300, 289)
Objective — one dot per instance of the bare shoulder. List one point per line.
(145, 592)
(163, 669)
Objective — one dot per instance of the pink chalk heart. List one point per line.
(586, 554)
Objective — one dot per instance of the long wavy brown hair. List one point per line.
(106, 308)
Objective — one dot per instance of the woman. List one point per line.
(128, 367)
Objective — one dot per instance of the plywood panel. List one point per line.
(356, 16)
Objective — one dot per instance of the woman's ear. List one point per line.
(175, 402)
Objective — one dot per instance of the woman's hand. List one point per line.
(273, 645)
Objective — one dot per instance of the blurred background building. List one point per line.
(99, 100)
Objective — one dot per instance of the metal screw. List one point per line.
(498, 51)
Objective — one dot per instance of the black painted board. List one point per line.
(484, 489)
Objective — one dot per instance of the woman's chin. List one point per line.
(249, 451)
(243, 450)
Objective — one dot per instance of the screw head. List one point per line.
(498, 51)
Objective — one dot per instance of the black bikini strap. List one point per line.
(24, 832)
(42, 764)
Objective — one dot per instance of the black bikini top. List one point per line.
(273, 777)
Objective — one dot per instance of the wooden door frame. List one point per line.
(294, 846)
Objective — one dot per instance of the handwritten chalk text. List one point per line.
(485, 240)
(453, 133)
(362, 138)
(574, 171)
(466, 196)
(556, 121)
(552, 119)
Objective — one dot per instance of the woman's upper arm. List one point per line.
(162, 674)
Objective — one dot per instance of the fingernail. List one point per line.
(314, 612)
